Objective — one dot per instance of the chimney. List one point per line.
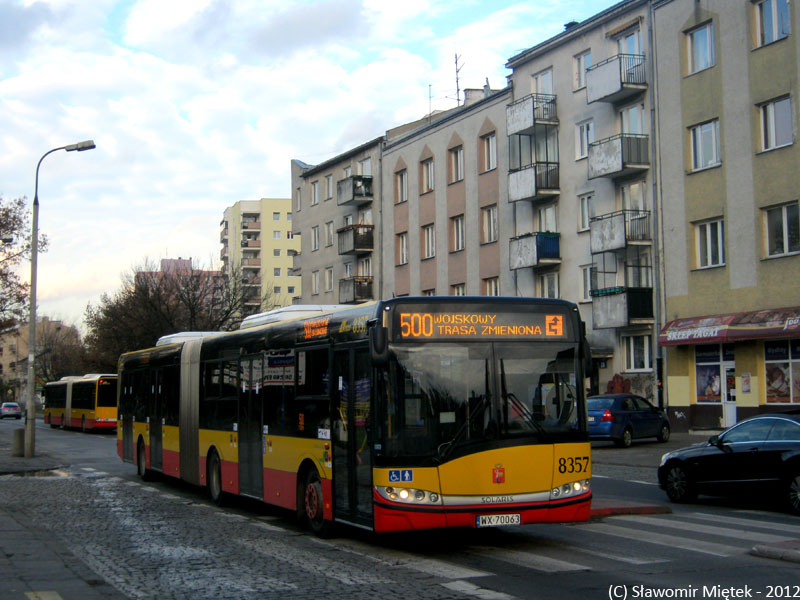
(570, 25)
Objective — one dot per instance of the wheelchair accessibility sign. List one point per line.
(401, 475)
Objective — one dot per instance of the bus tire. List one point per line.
(313, 503)
(141, 461)
(214, 478)
(83, 423)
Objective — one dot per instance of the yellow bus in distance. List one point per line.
(86, 402)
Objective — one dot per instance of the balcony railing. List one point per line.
(251, 262)
(356, 189)
(619, 156)
(534, 182)
(356, 239)
(616, 78)
(223, 235)
(523, 114)
(252, 225)
(251, 243)
(618, 230)
(355, 289)
(534, 250)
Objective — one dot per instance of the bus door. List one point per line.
(156, 418)
(126, 413)
(251, 469)
(352, 459)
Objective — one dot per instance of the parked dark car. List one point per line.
(11, 410)
(625, 417)
(760, 455)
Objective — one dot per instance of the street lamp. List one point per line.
(30, 409)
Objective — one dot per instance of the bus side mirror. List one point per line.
(379, 345)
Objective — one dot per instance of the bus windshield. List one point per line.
(444, 399)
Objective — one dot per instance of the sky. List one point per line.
(197, 104)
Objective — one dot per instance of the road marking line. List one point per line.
(671, 541)
(747, 522)
(87, 469)
(470, 589)
(625, 559)
(737, 534)
(43, 595)
(527, 559)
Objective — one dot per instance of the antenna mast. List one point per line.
(458, 89)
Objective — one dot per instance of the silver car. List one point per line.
(11, 410)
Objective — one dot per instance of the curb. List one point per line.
(788, 551)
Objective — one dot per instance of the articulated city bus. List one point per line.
(410, 413)
(88, 402)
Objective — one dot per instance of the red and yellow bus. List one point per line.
(410, 413)
(86, 402)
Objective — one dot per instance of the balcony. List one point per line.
(541, 249)
(356, 189)
(616, 79)
(355, 239)
(251, 263)
(355, 289)
(223, 235)
(251, 243)
(251, 225)
(538, 181)
(523, 115)
(251, 281)
(619, 156)
(618, 230)
(622, 305)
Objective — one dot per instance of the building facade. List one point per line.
(727, 81)
(258, 247)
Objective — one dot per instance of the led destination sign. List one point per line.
(479, 325)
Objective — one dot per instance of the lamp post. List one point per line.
(30, 408)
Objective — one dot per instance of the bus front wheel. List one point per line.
(214, 479)
(141, 461)
(313, 503)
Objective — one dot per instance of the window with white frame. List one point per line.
(402, 248)
(489, 151)
(459, 289)
(364, 266)
(543, 82)
(587, 211)
(705, 145)
(782, 370)
(584, 135)
(365, 167)
(456, 164)
(401, 186)
(276, 216)
(348, 171)
(637, 352)
(276, 235)
(348, 220)
(314, 193)
(710, 244)
(348, 270)
(586, 283)
(328, 187)
(428, 292)
(546, 218)
(289, 217)
(630, 42)
(328, 279)
(329, 233)
(276, 289)
(580, 63)
(632, 119)
(276, 252)
(776, 124)
(276, 271)
(429, 241)
(783, 229)
(489, 224)
(289, 235)
(772, 21)
(491, 286)
(426, 167)
(701, 48)
(547, 284)
(315, 238)
(457, 233)
(315, 282)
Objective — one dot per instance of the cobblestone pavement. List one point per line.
(149, 543)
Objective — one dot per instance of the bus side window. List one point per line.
(278, 382)
(171, 394)
(310, 409)
(209, 393)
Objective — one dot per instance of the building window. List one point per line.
(348, 220)
(543, 82)
(427, 176)
(428, 292)
(637, 352)
(276, 271)
(782, 364)
(546, 218)
(489, 220)
(298, 199)
(401, 186)
(701, 48)
(429, 239)
(491, 286)
(489, 151)
(459, 289)
(276, 252)
(632, 119)
(314, 193)
(364, 266)
(457, 233)
(289, 235)
(776, 124)
(581, 62)
(328, 279)
(276, 289)
(587, 211)
(289, 217)
(772, 21)
(705, 145)
(584, 135)
(348, 270)
(710, 244)
(402, 248)
(328, 187)
(315, 283)
(548, 285)
(348, 171)
(783, 230)
(315, 238)
(276, 216)
(365, 167)
(329, 233)
(456, 164)
(586, 283)
(290, 289)
(276, 235)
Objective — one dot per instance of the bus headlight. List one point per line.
(409, 495)
(574, 488)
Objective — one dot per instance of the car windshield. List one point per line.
(600, 403)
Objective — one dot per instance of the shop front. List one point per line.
(721, 369)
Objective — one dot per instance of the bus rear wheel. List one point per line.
(141, 461)
(83, 423)
(313, 503)
(214, 479)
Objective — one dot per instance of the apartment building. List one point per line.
(446, 223)
(727, 81)
(258, 246)
(581, 185)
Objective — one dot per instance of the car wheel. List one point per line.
(678, 484)
(793, 490)
(214, 479)
(663, 435)
(313, 502)
(626, 439)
